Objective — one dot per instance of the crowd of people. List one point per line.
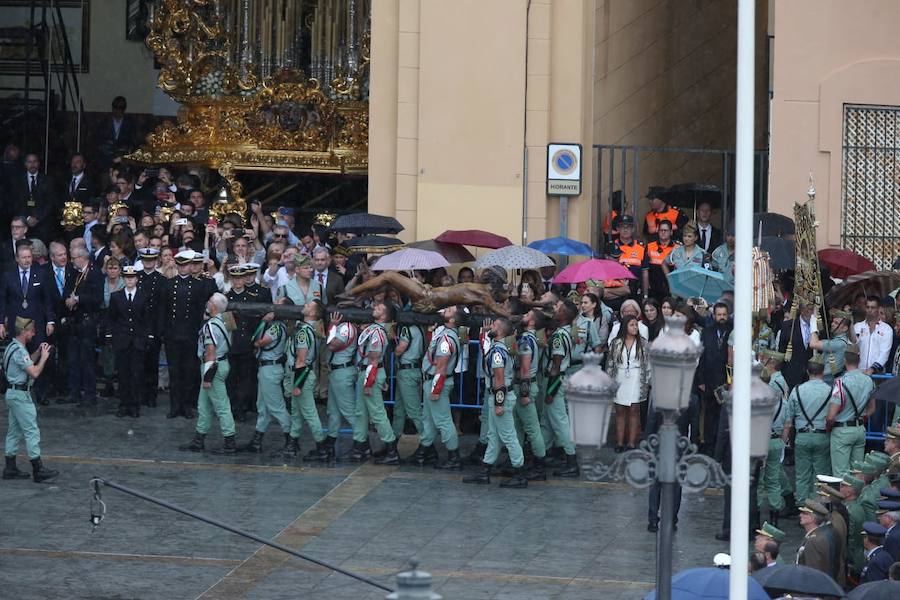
(146, 293)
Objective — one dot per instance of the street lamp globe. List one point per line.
(763, 402)
(590, 394)
(673, 361)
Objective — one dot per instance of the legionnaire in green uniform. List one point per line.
(501, 428)
(851, 403)
(892, 444)
(341, 341)
(856, 516)
(879, 462)
(300, 385)
(302, 288)
(833, 500)
(371, 347)
(832, 349)
(212, 349)
(525, 411)
(768, 540)
(408, 373)
(807, 405)
(21, 371)
(555, 420)
(438, 366)
(269, 341)
(769, 491)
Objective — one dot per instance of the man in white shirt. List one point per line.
(874, 337)
(280, 272)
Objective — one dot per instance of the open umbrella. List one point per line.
(772, 224)
(366, 224)
(454, 253)
(707, 583)
(876, 590)
(781, 252)
(798, 579)
(689, 195)
(870, 283)
(843, 263)
(515, 257)
(889, 391)
(563, 246)
(692, 281)
(474, 237)
(374, 244)
(410, 259)
(595, 268)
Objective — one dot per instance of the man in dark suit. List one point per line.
(60, 272)
(711, 374)
(798, 332)
(79, 188)
(35, 198)
(119, 132)
(139, 202)
(878, 560)
(708, 237)
(18, 229)
(82, 298)
(127, 327)
(99, 249)
(26, 292)
(330, 280)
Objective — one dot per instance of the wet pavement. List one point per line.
(561, 539)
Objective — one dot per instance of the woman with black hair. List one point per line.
(628, 363)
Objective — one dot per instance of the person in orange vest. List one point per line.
(632, 254)
(657, 252)
(660, 211)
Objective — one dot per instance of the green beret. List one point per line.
(853, 482)
(302, 260)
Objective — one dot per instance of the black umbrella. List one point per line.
(772, 224)
(366, 223)
(374, 244)
(781, 252)
(889, 391)
(798, 579)
(876, 590)
(689, 195)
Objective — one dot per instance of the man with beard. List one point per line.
(711, 374)
(555, 419)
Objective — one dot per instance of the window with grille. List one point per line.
(870, 223)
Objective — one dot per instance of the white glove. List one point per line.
(814, 323)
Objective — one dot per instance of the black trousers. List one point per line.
(150, 372)
(654, 421)
(184, 374)
(241, 382)
(130, 369)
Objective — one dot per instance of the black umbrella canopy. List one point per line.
(366, 224)
(374, 244)
(798, 579)
(772, 224)
(876, 590)
(889, 391)
(689, 195)
(781, 252)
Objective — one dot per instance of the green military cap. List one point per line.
(828, 493)
(773, 354)
(574, 296)
(813, 507)
(864, 467)
(770, 531)
(892, 432)
(880, 459)
(840, 314)
(23, 323)
(818, 359)
(302, 260)
(853, 482)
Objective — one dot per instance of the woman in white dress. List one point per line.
(629, 364)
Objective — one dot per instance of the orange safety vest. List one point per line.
(607, 223)
(632, 254)
(653, 218)
(658, 252)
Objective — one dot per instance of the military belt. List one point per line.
(775, 435)
(342, 366)
(267, 363)
(22, 387)
(810, 430)
(414, 365)
(851, 423)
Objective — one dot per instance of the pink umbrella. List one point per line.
(410, 259)
(596, 268)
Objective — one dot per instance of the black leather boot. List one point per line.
(39, 473)
(477, 455)
(571, 469)
(790, 506)
(517, 481)
(197, 444)
(11, 471)
(254, 445)
(538, 471)
(390, 455)
(360, 452)
(319, 454)
(556, 457)
(283, 451)
(773, 518)
(482, 477)
(453, 462)
(330, 452)
(228, 446)
(423, 455)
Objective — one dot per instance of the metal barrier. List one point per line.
(459, 390)
(886, 406)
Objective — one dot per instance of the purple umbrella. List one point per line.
(410, 259)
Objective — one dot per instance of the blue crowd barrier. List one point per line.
(476, 354)
(875, 428)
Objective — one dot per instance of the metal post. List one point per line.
(48, 84)
(665, 475)
(563, 223)
(740, 429)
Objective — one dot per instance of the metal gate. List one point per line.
(870, 224)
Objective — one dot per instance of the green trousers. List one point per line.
(341, 399)
(370, 407)
(22, 424)
(436, 416)
(811, 458)
(528, 424)
(408, 400)
(270, 398)
(555, 421)
(848, 444)
(215, 401)
(768, 489)
(303, 407)
(502, 431)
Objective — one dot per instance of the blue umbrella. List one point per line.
(562, 245)
(693, 280)
(708, 583)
